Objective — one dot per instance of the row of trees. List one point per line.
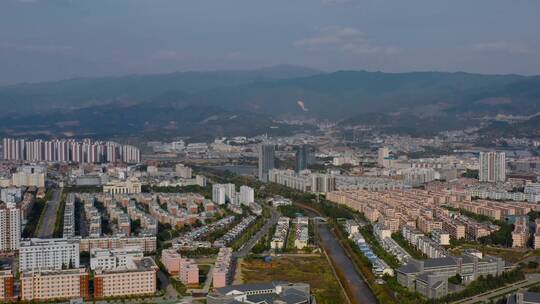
(484, 284)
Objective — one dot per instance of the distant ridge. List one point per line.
(414, 103)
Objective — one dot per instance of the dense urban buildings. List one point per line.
(69, 150)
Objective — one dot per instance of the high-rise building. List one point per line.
(323, 183)
(69, 151)
(266, 161)
(382, 157)
(303, 158)
(492, 167)
(48, 254)
(247, 195)
(222, 193)
(183, 171)
(218, 194)
(10, 228)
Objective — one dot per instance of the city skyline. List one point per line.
(249, 151)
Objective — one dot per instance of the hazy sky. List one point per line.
(57, 39)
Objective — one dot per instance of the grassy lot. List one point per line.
(203, 273)
(324, 284)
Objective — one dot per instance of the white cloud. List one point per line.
(503, 46)
(346, 39)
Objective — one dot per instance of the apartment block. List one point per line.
(6, 285)
(222, 268)
(440, 237)
(106, 259)
(280, 236)
(171, 259)
(520, 235)
(146, 243)
(536, 240)
(189, 272)
(10, 228)
(54, 284)
(50, 254)
(301, 232)
(186, 269)
(138, 278)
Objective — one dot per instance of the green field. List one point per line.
(308, 269)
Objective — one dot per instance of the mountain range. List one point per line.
(236, 102)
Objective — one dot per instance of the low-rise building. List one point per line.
(433, 274)
(189, 272)
(222, 268)
(50, 254)
(524, 297)
(440, 236)
(520, 235)
(280, 236)
(171, 259)
(54, 284)
(146, 243)
(185, 268)
(139, 278)
(274, 292)
(122, 187)
(115, 258)
(301, 232)
(6, 286)
(536, 240)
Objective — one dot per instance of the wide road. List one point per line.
(485, 297)
(361, 292)
(46, 228)
(244, 251)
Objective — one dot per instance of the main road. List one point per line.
(46, 228)
(246, 248)
(530, 279)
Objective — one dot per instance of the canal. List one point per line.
(361, 292)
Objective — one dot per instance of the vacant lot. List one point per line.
(313, 270)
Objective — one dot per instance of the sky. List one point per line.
(46, 40)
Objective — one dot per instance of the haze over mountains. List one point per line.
(227, 101)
